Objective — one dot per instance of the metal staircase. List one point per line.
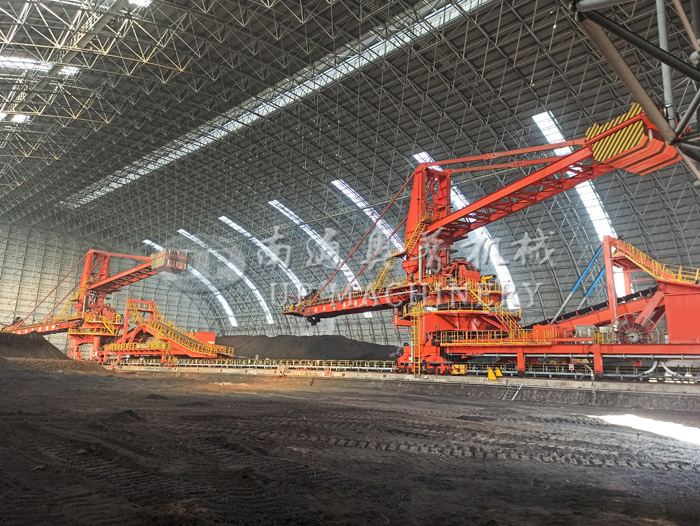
(509, 321)
(511, 392)
(384, 275)
(165, 337)
(659, 271)
(417, 311)
(390, 263)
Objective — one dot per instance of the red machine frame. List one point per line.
(455, 314)
(90, 321)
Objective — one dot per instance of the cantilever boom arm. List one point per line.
(550, 180)
(630, 142)
(166, 260)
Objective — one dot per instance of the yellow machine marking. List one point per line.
(619, 142)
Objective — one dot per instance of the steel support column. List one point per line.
(610, 53)
(665, 68)
(588, 5)
(643, 44)
(610, 277)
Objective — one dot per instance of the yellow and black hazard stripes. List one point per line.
(634, 147)
(620, 141)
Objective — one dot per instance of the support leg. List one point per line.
(597, 363)
(521, 363)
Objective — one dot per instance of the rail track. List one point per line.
(673, 374)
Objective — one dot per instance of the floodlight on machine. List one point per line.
(207, 283)
(499, 265)
(402, 30)
(551, 130)
(370, 212)
(254, 289)
(301, 290)
(327, 249)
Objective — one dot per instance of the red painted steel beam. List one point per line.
(117, 281)
(526, 188)
(567, 349)
(508, 153)
(47, 328)
(601, 317)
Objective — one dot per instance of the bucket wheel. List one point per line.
(629, 331)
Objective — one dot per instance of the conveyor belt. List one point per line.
(593, 308)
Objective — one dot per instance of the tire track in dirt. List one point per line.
(548, 439)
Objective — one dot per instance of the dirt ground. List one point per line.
(80, 448)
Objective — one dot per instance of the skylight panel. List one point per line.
(425, 157)
(27, 64)
(153, 245)
(301, 290)
(327, 249)
(254, 289)
(20, 118)
(69, 71)
(217, 294)
(370, 212)
(551, 130)
(208, 284)
(402, 31)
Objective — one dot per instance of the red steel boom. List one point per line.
(456, 314)
(92, 322)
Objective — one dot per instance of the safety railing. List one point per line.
(344, 365)
(153, 345)
(496, 337)
(656, 269)
(604, 337)
(174, 334)
(97, 331)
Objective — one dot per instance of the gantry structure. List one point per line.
(220, 128)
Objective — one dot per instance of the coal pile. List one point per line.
(31, 345)
(307, 348)
(32, 352)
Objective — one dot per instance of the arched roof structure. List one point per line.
(127, 120)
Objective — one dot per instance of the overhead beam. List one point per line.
(663, 56)
(607, 49)
(589, 5)
(610, 53)
(90, 33)
(666, 74)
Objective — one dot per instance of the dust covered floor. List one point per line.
(84, 449)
